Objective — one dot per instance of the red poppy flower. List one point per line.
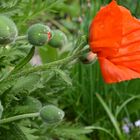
(115, 37)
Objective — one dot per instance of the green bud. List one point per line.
(8, 30)
(1, 110)
(58, 39)
(38, 34)
(30, 105)
(51, 114)
(34, 105)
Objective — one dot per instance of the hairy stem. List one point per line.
(19, 38)
(18, 117)
(46, 66)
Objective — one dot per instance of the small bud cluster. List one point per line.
(37, 34)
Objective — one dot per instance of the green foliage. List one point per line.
(66, 131)
(25, 88)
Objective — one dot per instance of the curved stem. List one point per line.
(100, 129)
(46, 66)
(40, 68)
(18, 117)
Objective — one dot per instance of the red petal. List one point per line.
(106, 29)
(115, 37)
(115, 73)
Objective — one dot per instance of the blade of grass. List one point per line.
(124, 104)
(111, 116)
(101, 129)
(25, 60)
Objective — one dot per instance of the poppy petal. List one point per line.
(116, 73)
(117, 44)
(106, 29)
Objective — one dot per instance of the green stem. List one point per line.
(59, 25)
(46, 66)
(18, 117)
(42, 67)
(19, 38)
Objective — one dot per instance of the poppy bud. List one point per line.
(88, 58)
(51, 114)
(33, 104)
(1, 110)
(38, 34)
(58, 39)
(8, 30)
(29, 105)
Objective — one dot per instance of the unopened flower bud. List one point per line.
(58, 39)
(8, 30)
(88, 58)
(51, 114)
(38, 34)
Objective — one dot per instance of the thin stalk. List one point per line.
(56, 23)
(18, 117)
(45, 66)
(19, 38)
